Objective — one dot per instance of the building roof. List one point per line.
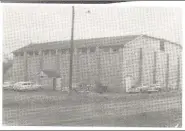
(51, 73)
(103, 41)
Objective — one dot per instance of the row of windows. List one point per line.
(114, 49)
(81, 50)
(64, 51)
(30, 53)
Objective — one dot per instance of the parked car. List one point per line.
(65, 89)
(154, 88)
(26, 86)
(84, 87)
(133, 90)
(157, 87)
(8, 85)
(151, 88)
(143, 88)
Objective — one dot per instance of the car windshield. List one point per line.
(26, 83)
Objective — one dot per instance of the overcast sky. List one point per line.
(25, 24)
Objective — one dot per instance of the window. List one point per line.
(46, 52)
(16, 54)
(106, 49)
(64, 51)
(92, 49)
(26, 84)
(84, 50)
(53, 52)
(30, 53)
(69, 50)
(36, 53)
(41, 76)
(162, 45)
(115, 49)
(22, 54)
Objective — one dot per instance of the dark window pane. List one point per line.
(92, 49)
(15, 54)
(46, 52)
(53, 52)
(84, 50)
(68, 50)
(36, 53)
(63, 51)
(30, 53)
(106, 49)
(115, 49)
(22, 54)
(162, 45)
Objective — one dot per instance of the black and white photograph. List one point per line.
(92, 66)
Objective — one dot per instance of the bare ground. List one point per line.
(46, 108)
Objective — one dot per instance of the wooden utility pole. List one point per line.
(178, 73)
(167, 71)
(154, 68)
(58, 61)
(140, 66)
(40, 64)
(71, 50)
(99, 65)
(41, 60)
(25, 66)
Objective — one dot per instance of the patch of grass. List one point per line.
(169, 118)
(42, 98)
(47, 116)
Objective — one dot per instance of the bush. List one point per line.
(100, 88)
(84, 86)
